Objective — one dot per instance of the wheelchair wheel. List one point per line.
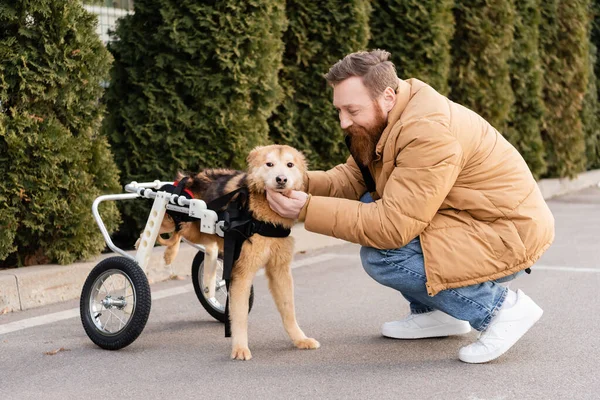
(215, 305)
(115, 303)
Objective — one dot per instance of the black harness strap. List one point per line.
(364, 170)
(238, 226)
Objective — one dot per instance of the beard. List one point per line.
(364, 138)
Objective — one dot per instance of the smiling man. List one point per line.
(444, 207)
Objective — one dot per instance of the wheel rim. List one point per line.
(217, 302)
(112, 302)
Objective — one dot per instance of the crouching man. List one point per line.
(444, 207)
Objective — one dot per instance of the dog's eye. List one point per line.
(290, 165)
(269, 164)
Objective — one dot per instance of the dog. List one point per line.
(277, 167)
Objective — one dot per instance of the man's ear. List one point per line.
(389, 99)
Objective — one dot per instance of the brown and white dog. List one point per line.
(277, 167)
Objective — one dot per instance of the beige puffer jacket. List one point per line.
(444, 173)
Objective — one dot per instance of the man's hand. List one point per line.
(288, 205)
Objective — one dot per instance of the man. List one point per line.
(453, 212)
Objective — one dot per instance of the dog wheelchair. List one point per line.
(115, 299)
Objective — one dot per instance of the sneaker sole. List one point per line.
(480, 359)
(433, 332)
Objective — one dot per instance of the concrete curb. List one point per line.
(26, 288)
(557, 187)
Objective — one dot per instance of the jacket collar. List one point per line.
(402, 98)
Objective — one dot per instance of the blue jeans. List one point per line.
(403, 269)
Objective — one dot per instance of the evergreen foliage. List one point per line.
(564, 47)
(417, 33)
(481, 50)
(193, 85)
(590, 110)
(524, 125)
(318, 35)
(53, 162)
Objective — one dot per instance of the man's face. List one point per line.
(361, 117)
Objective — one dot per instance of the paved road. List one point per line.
(182, 353)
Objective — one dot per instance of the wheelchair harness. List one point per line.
(238, 226)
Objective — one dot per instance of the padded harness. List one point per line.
(238, 226)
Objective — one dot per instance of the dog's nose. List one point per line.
(281, 179)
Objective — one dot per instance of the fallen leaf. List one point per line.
(176, 278)
(53, 352)
(4, 311)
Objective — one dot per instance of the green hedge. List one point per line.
(481, 50)
(53, 162)
(417, 33)
(192, 87)
(318, 35)
(524, 124)
(565, 51)
(591, 108)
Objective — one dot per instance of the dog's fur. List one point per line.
(277, 167)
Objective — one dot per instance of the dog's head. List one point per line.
(277, 167)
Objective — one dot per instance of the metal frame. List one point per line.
(163, 201)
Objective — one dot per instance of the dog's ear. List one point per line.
(183, 174)
(302, 159)
(251, 160)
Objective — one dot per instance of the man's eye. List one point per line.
(352, 112)
(290, 165)
(269, 164)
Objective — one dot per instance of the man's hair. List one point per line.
(373, 67)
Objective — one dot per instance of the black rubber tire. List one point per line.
(217, 314)
(141, 307)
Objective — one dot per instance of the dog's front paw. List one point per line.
(241, 353)
(307, 343)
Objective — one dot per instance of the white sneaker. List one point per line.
(426, 325)
(504, 331)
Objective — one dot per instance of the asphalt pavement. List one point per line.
(182, 353)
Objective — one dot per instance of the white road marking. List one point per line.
(36, 321)
(161, 294)
(562, 268)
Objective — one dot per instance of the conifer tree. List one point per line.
(481, 49)
(53, 161)
(318, 35)
(524, 125)
(417, 33)
(564, 47)
(192, 87)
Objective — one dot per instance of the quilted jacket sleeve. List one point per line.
(426, 167)
(344, 180)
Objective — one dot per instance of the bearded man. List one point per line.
(451, 210)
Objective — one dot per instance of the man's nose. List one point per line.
(281, 179)
(345, 122)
